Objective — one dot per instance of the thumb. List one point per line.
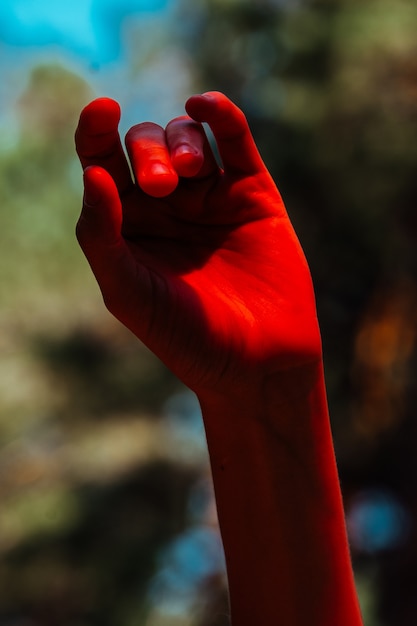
(99, 233)
(100, 221)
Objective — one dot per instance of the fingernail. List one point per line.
(159, 169)
(184, 149)
(158, 180)
(187, 160)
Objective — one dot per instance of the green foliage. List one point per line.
(329, 89)
(90, 488)
(38, 194)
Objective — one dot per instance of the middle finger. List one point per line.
(190, 150)
(150, 159)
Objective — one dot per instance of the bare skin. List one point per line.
(202, 264)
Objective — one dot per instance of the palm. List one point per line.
(214, 280)
(236, 294)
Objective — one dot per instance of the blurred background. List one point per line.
(106, 509)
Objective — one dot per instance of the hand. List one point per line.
(200, 262)
(203, 265)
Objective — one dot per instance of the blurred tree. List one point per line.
(49, 108)
(38, 193)
(90, 488)
(315, 80)
(329, 88)
(89, 491)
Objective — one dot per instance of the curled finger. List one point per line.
(190, 151)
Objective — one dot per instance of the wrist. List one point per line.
(279, 502)
(292, 402)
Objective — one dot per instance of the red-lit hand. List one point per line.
(201, 263)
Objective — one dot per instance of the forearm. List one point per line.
(279, 504)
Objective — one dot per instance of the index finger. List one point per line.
(98, 142)
(231, 131)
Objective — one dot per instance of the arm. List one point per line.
(279, 505)
(203, 265)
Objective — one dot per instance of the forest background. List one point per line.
(106, 510)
